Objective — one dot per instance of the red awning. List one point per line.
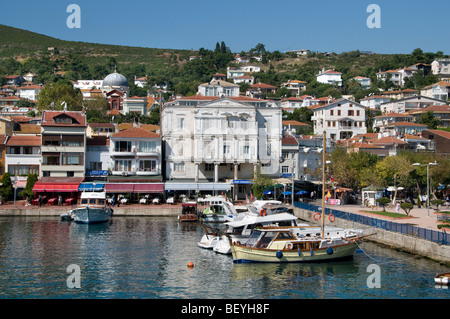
(57, 184)
(149, 188)
(119, 188)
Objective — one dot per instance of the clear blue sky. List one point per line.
(326, 25)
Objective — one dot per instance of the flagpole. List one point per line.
(323, 184)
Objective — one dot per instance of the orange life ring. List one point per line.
(289, 245)
(262, 212)
(316, 216)
(331, 218)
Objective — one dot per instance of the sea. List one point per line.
(45, 258)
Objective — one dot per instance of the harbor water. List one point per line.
(147, 258)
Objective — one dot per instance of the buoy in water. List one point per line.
(190, 264)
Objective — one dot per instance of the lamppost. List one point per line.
(428, 183)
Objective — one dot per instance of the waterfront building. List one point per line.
(221, 140)
(340, 119)
(63, 144)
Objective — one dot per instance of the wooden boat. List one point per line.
(92, 208)
(188, 212)
(281, 246)
(442, 279)
(285, 245)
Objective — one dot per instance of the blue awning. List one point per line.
(91, 187)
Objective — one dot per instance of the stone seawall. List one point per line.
(118, 211)
(403, 242)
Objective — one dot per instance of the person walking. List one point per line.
(397, 207)
(113, 198)
(40, 200)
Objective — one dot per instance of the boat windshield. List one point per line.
(253, 239)
(266, 239)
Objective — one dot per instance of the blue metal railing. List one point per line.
(427, 234)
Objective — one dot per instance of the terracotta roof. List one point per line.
(440, 133)
(394, 115)
(48, 118)
(263, 86)
(136, 132)
(24, 141)
(147, 127)
(294, 123)
(387, 140)
(98, 141)
(101, 125)
(289, 140)
(404, 123)
(25, 128)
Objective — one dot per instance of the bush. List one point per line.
(383, 201)
(406, 207)
(437, 202)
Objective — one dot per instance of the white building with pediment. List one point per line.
(221, 139)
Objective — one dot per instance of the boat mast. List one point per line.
(323, 183)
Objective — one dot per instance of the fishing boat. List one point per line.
(92, 208)
(442, 279)
(210, 238)
(219, 210)
(298, 244)
(188, 212)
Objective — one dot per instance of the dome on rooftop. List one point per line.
(115, 79)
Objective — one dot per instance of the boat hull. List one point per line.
(208, 241)
(243, 254)
(89, 215)
(442, 279)
(188, 218)
(216, 218)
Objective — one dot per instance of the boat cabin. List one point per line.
(92, 198)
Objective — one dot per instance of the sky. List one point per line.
(283, 25)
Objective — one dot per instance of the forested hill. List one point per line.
(23, 51)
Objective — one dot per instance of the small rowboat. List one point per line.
(442, 279)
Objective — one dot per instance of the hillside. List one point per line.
(24, 51)
(21, 44)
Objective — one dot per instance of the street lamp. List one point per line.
(428, 183)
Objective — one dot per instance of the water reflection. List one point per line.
(146, 257)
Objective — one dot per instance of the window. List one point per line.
(246, 150)
(181, 123)
(339, 112)
(226, 149)
(122, 146)
(23, 169)
(73, 140)
(96, 166)
(63, 120)
(147, 166)
(178, 167)
(331, 112)
(357, 112)
(147, 146)
(350, 112)
(72, 158)
(209, 167)
(122, 165)
(284, 169)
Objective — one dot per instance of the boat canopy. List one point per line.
(262, 219)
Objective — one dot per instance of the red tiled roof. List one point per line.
(24, 141)
(294, 123)
(441, 133)
(289, 140)
(48, 118)
(263, 86)
(136, 132)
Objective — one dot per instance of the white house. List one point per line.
(388, 119)
(374, 101)
(140, 82)
(363, 81)
(438, 90)
(218, 88)
(410, 103)
(330, 77)
(30, 92)
(441, 67)
(395, 76)
(295, 86)
(232, 72)
(225, 139)
(340, 119)
(250, 68)
(88, 84)
(244, 79)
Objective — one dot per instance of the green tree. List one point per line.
(28, 190)
(429, 119)
(6, 191)
(57, 93)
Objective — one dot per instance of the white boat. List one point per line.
(92, 208)
(210, 238)
(219, 210)
(442, 279)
